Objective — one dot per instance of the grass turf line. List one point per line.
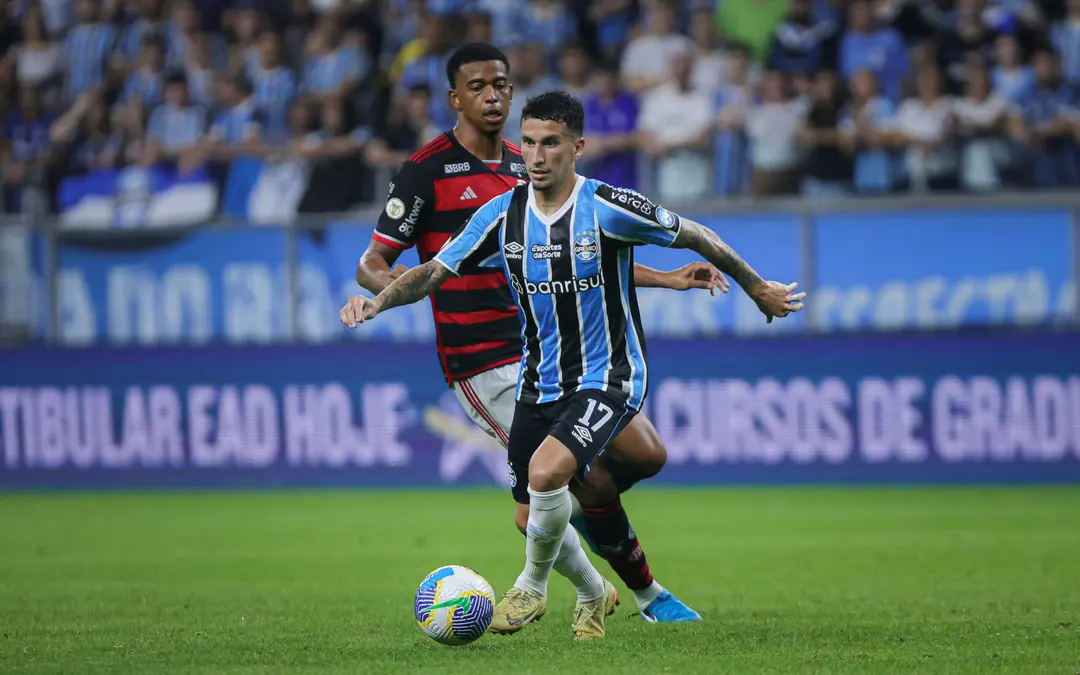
(789, 581)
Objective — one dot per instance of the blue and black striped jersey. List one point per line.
(571, 274)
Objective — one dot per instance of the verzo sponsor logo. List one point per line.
(633, 200)
(558, 286)
(458, 167)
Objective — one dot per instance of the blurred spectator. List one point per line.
(478, 27)
(731, 174)
(750, 23)
(611, 120)
(246, 54)
(85, 131)
(181, 32)
(38, 60)
(336, 151)
(614, 20)
(144, 88)
(58, 15)
(1010, 77)
(674, 130)
(880, 50)
(146, 20)
(10, 35)
(238, 127)
(199, 69)
(574, 71)
(175, 127)
(26, 155)
(798, 43)
(924, 126)
(530, 75)
(429, 69)
(864, 132)
(828, 168)
(981, 117)
(402, 26)
(772, 127)
(297, 30)
(404, 134)
(548, 22)
(1065, 36)
(86, 49)
(1048, 124)
(965, 33)
(710, 62)
(648, 59)
(274, 85)
(334, 68)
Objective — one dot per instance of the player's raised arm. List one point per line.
(773, 298)
(630, 217)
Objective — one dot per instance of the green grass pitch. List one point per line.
(788, 580)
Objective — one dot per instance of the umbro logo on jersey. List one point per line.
(582, 435)
(468, 194)
(513, 250)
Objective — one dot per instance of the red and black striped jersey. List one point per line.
(433, 196)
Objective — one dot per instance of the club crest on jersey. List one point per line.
(395, 208)
(666, 218)
(586, 248)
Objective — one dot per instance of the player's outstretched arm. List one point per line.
(694, 275)
(414, 285)
(773, 298)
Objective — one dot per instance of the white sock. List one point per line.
(549, 516)
(645, 597)
(573, 564)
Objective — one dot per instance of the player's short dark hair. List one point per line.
(474, 52)
(556, 106)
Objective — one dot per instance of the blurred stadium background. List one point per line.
(189, 184)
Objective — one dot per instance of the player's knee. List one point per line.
(653, 459)
(546, 477)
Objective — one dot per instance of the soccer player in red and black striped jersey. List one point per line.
(478, 331)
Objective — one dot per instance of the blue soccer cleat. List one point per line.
(666, 608)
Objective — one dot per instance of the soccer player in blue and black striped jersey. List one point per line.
(566, 244)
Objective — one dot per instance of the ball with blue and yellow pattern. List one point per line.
(454, 605)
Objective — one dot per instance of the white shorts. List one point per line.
(488, 398)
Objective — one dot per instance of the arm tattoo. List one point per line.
(412, 286)
(710, 246)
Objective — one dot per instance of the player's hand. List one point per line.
(775, 299)
(698, 275)
(358, 310)
(397, 272)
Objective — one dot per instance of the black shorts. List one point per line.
(585, 422)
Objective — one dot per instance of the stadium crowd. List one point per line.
(732, 97)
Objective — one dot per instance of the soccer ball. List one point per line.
(454, 605)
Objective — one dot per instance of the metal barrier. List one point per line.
(31, 293)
